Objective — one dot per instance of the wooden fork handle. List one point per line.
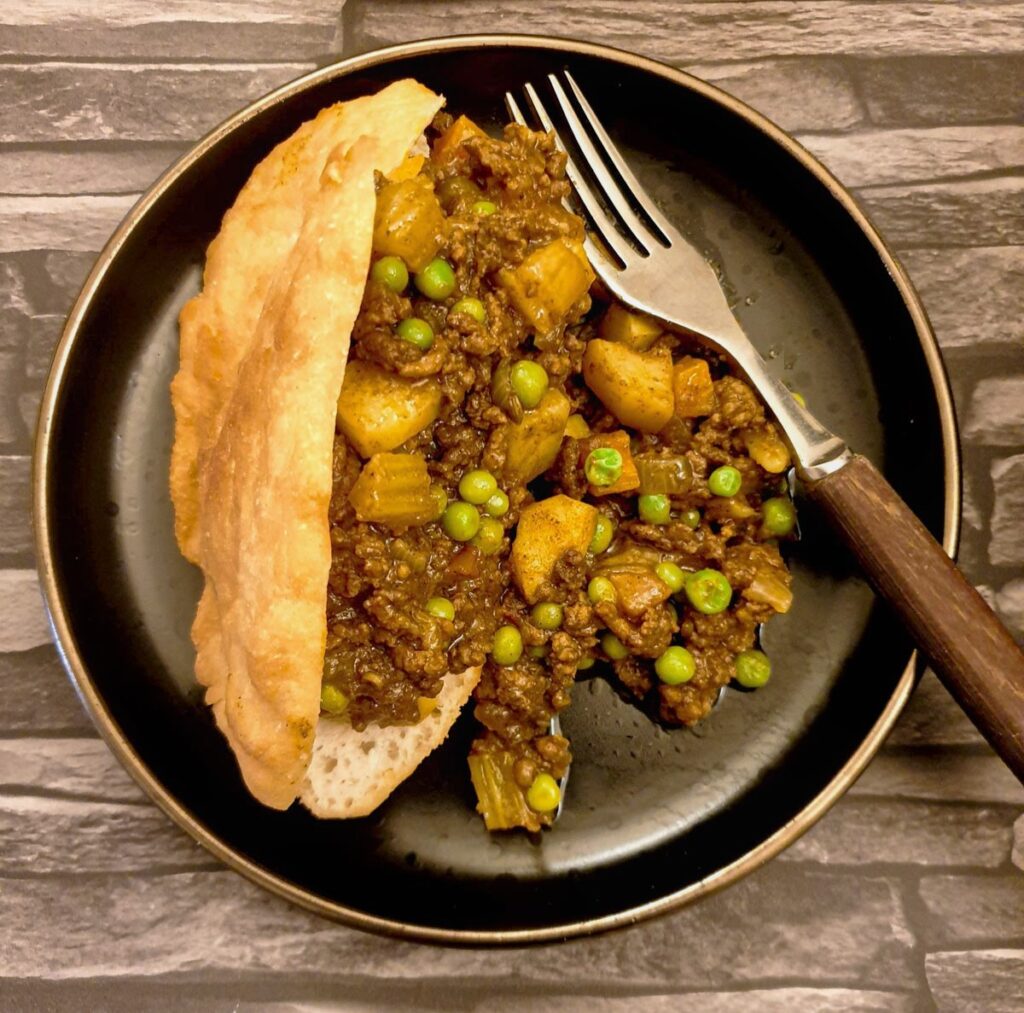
(970, 650)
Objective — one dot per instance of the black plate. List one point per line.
(653, 818)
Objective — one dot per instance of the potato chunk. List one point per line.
(636, 387)
(378, 410)
(407, 169)
(636, 593)
(546, 531)
(693, 389)
(454, 137)
(577, 427)
(636, 330)
(409, 222)
(394, 489)
(548, 283)
(534, 441)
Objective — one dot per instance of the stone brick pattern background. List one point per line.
(909, 895)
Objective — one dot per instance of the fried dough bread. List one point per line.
(263, 353)
(257, 233)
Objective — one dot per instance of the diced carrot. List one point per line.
(694, 391)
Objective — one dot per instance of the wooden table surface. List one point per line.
(908, 895)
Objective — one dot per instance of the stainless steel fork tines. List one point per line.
(647, 264)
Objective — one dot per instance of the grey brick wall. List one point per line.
(908, 895)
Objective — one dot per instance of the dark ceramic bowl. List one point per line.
(654, 818)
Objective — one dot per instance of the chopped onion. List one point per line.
(670, 476)
(767, 588)
(635, 559)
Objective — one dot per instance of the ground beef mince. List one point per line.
(484, 361)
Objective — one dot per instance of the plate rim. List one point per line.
(66, 646)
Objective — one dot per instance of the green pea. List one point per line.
(603, 466)
(490, 536)
(477, 486)
(547, 615)
(671, 574)
(708, 591)
(613, 647)
(392, 272)
(483, 208)
(538, 651)
(460, 521)
(441, 607)
(544, 794)
(497, 504)
(778, 515)
(602, 534)
(417, 332)
(507, 648)
(437, 280)
(691, 518)
(587, 661)
(457, 190)
(332, 699)
(600, 589)
(725, 481)
(753, 669)
(654, 508)
(473, 307)
(529, 381)
(675, 666)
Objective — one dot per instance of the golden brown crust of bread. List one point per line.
(257, 233)
(265, 488)
(263, 352)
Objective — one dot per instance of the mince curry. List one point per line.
(532, 479)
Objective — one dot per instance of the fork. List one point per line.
(649, 266)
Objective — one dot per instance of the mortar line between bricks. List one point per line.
(24, 560)
(349, 22)
(12, 791)
(890, 870)
(155, 871)
(142, 61)
(873, 189)
(99, 146)
(978, 945)
(304, 65)
(901, 248)
(447, 993)
(49, 194)
(909, 895)
(957, 749)
(510, 984)
(978, 176)
(55, 734)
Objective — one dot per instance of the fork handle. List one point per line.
(970, 650)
